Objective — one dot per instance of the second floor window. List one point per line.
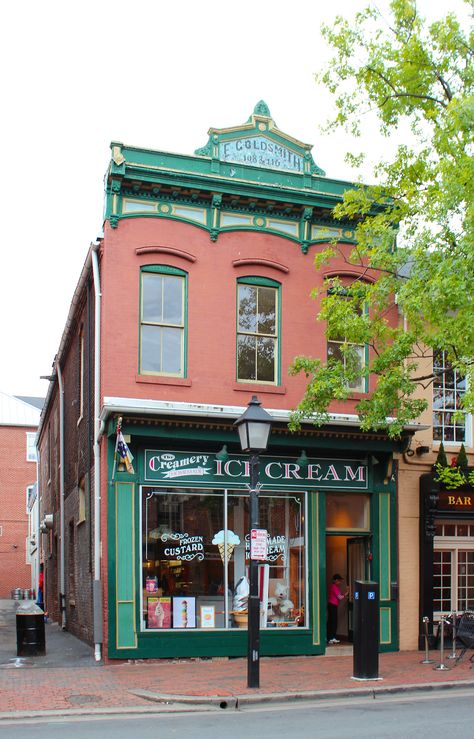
(449, 387)
(162, 321)
(257, 331)
(354, 360)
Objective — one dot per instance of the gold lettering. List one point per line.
(451, 500)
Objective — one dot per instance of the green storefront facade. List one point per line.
(328, 509)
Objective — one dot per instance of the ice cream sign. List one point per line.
(171, 465)
(201, 469)
(183, 547)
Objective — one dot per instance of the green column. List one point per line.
(126, 629)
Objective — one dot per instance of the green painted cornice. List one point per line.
(253, 169)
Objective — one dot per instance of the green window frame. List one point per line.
(163, 321)
(258, 328)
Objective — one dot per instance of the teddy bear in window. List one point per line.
(281, 605)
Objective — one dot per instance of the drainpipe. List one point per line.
(97, 586)
(62, 591)
(38, 524)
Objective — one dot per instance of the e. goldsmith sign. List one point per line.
(200, 469)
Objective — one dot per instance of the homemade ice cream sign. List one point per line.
(199, 469)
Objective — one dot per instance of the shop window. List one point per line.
(195, 576)
(453, 568)
(257, 330)
(449, 388)
(442, 579)
(347, 512)
(163, 321)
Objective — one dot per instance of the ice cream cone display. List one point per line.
(226, 544)
(222, 548)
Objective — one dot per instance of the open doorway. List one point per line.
(347, 556)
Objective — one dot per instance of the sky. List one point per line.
(76, 76)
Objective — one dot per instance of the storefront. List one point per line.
(179, 541)
(447, 549)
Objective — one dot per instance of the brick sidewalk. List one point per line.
(67, 678)
(116, 685)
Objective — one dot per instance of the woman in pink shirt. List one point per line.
(335, 597)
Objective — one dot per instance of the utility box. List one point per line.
(30, 634)
(366, 630)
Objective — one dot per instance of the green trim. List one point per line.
(260, 281)
(385, 632)
(384, 546)
(125, 604)
(163, 269)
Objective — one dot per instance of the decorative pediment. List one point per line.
(259, 143)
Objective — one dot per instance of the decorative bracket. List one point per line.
(215, 224)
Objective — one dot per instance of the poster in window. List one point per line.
(159, 613)
(184, 612)
(151, 585)
(208, 617)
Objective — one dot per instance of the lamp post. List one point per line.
(254, 429)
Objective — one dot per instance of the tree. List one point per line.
(414, 226)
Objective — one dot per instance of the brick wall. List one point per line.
(78, 461)
(16, 474)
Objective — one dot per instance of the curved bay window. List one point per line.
(195, 559)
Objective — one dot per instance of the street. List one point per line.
(435, 715)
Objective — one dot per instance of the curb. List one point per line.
(238, 701)
(169, 703)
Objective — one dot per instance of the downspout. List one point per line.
(97, 586)
(38, 524)
(62, 591)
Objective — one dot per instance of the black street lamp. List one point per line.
(254, 429)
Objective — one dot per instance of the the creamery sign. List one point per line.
(261, 152)
(201, 469)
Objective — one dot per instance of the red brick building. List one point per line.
(19, 418)
(197, 297)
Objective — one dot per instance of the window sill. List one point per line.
(248, 387)
(159, 380)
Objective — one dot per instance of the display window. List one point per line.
(195, 559)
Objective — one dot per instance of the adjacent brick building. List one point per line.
(19, 418)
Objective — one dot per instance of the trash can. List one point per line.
(30, 636)
(366, 630)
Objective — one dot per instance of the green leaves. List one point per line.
(406, 72)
